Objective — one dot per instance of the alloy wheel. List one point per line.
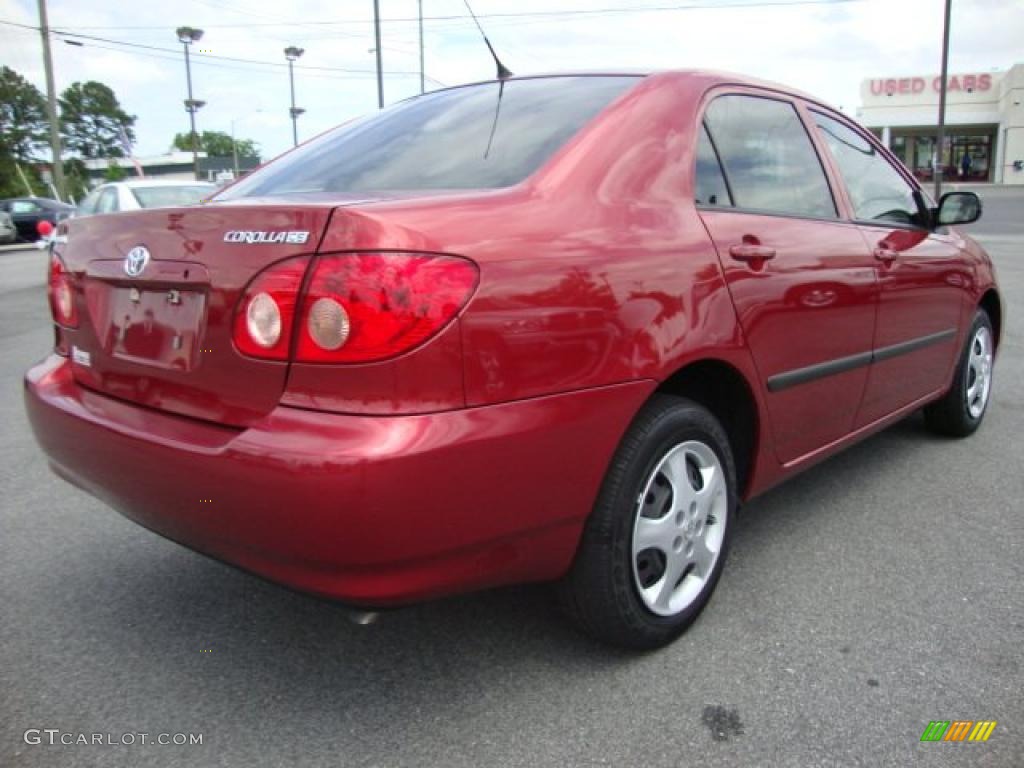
(679, 527)
(979, 372)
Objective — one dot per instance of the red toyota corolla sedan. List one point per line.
(550, 328)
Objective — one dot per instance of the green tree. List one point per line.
(114, 172)
(216, 144)
(23, 122)
(76, 178)
(23, 132)
(91, 120)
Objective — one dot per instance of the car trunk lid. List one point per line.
(157, 297)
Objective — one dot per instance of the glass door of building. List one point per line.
(970, 158)
(916, 148)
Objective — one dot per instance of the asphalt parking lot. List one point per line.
(873, 594)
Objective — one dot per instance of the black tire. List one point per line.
(601, 592)
(952, 414)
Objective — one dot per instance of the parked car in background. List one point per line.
(27, 212)
(144, 193)
(8, 233)
(544, 329)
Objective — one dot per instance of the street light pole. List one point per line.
(940, 144)
(187, 36)
(292, 53)
(380, 63)
(51, 102)
(194, 138)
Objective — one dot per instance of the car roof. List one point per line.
(45, 202)
(701, 78)
(142, 183)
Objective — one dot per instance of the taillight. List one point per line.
(372, 306)
(356, 308)
(62, 294)
(264, 321)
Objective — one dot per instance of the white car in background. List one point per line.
(144, 193)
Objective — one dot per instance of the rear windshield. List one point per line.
(462, 138)
(171, 197)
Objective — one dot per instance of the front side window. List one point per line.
(768, 159)
(481, 136)
(877, 191)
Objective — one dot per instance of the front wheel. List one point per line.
(960, 411)
(655, 544)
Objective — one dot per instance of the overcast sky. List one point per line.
(825, 47)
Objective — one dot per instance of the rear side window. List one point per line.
(877, 191)
(475, 137)
(108, 201)
(88, 205)
(167, 197)
(767, 156)
(710, 188)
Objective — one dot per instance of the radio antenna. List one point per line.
(503, 72)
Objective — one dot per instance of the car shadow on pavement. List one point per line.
(177, 618)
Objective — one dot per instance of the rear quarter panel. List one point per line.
(595, 271)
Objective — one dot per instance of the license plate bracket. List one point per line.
(159, 327)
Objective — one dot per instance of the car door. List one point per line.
(923, 276)
(7, 232)
(802, 280)
(25, 214)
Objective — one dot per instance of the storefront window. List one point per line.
(924, 156)
(971, 156)
(899, 148)
(917, 151)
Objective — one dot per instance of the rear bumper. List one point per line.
(373, 511)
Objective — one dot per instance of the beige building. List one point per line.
(984, 123)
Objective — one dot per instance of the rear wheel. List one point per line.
(655, 544)
(960, 411)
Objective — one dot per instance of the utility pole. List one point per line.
(51, 103)
(941, 141)
(380, 64)
(420, 4)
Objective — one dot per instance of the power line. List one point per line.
(247, 65)
(305, 67)
(75, 35)
(461, 17)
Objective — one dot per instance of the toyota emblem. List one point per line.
(136, 260)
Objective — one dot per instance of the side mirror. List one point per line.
(958, 208)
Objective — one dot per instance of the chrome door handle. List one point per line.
(751, 252)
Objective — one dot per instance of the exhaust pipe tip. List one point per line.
(363, 618)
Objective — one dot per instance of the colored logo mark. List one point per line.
(958, 730)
